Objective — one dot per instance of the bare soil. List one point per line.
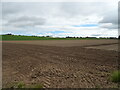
(67, 43)
(58, 67)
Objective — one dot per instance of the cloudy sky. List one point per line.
(60, 19)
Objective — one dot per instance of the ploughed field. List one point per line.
(60, 63)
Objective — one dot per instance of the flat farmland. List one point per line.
(60, 63)
(71, 43)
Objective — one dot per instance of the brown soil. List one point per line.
(58, 67)
(67, 43)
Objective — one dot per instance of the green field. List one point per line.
(21, 37)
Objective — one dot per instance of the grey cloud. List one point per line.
(113, 26)
(26, 21)
(74, 9)
(110, 19)
(9, 8)
(95, 34)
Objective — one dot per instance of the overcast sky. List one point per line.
(60, 19)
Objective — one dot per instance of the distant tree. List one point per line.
(67, 37)
(119, 37)
(9, 34)
(47, 36)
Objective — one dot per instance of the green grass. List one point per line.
(20, 85)
(17, 37)
(16, 85)
(115, 76)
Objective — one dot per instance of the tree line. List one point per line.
(70, 36)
